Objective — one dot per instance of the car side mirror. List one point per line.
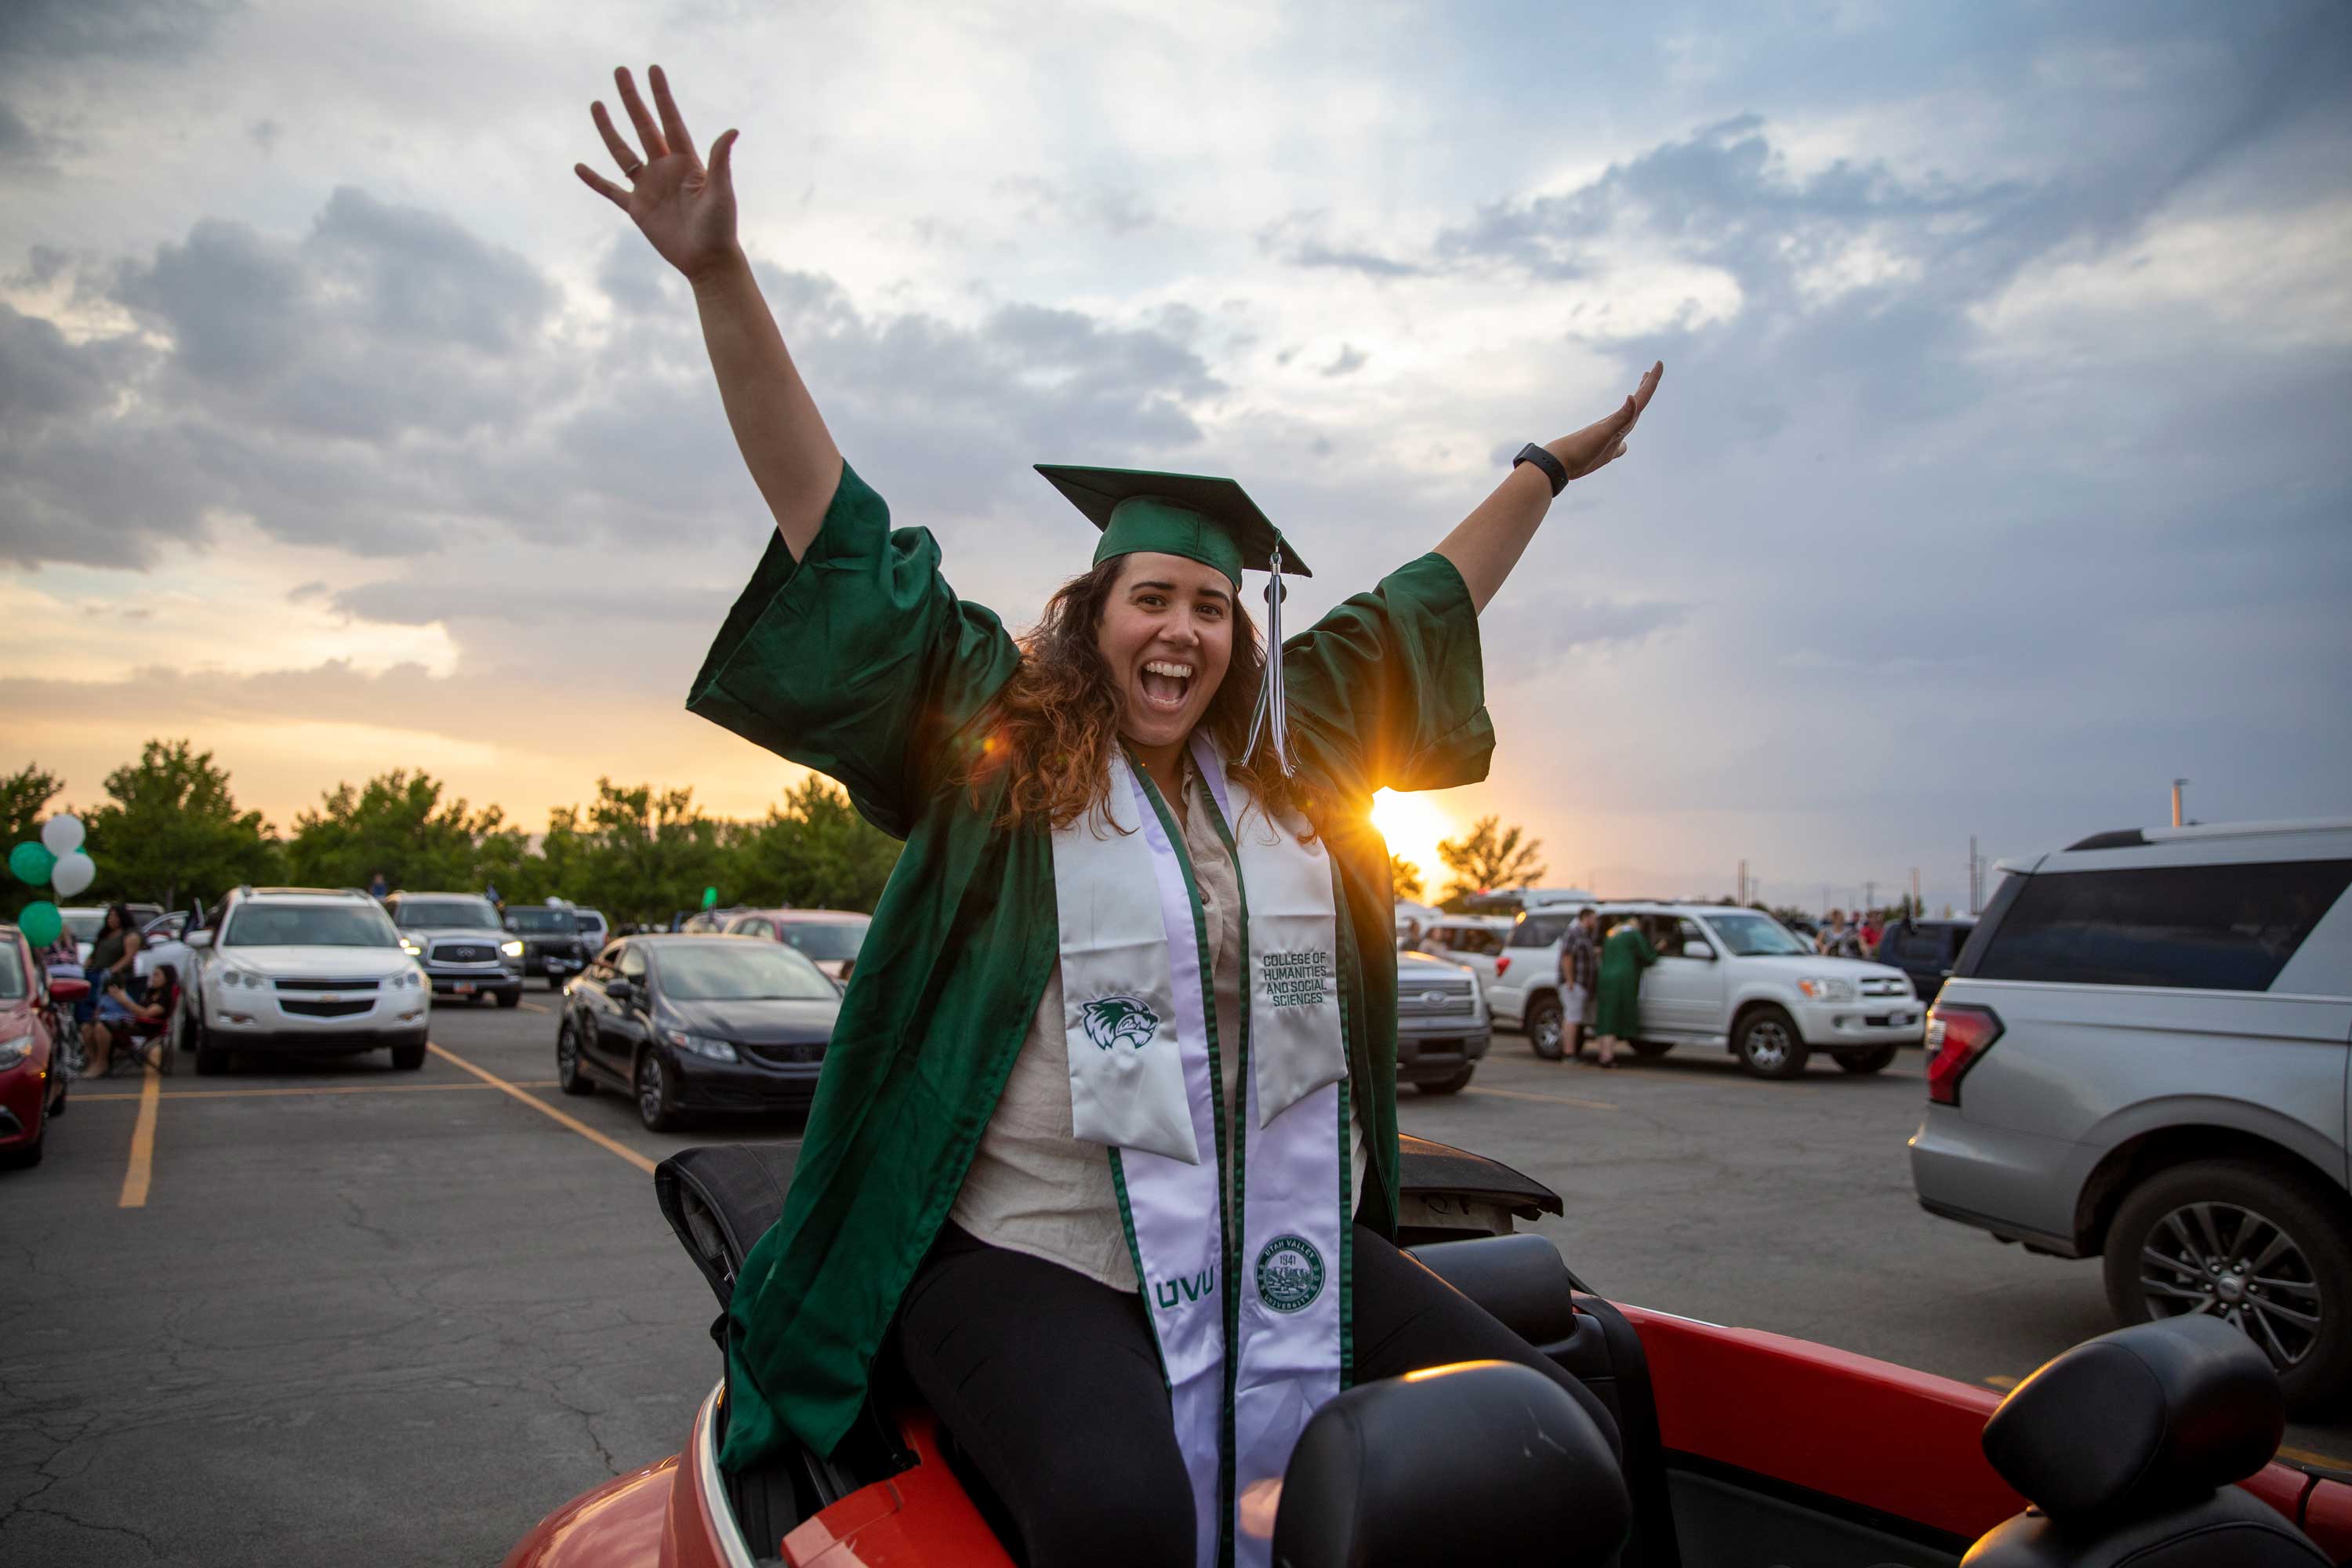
(1698, 949)
(619, 990)
(197, 939)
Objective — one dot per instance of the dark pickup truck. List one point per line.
(551, 944)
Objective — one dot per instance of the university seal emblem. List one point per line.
(1289, 1274)
(1111, 1020)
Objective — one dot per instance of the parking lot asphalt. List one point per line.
(320, 1311)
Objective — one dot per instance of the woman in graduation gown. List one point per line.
(1105, 1146)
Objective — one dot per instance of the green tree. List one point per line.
(1490, 856)
(636, 854)
(171, 830)
(1405, 878)
(815, 853)
(24, 797)
(398, 823)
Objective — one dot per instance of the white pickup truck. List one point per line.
(1726, 976)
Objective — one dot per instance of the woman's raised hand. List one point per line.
(1604, 440)
(686, 209)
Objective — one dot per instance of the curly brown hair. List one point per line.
(1054, 724)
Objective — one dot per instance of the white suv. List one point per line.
(301, 969)
(1726, 976)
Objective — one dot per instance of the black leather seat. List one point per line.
(1484, 1462)
(2128, 1445)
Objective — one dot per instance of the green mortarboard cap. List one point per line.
(1198, 516)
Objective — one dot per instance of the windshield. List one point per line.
(823, 939)
(740, 971)
(309, 925)
(12, 972)
(1756, 936)
(85, 924)
(469, 914)
(541, 921)
(589, 920)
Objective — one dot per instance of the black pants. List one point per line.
(1050, 1384)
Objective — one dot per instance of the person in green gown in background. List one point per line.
(1617, 1019)
(941, 1209)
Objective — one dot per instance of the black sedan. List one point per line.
(698, 1023)
(551, 944)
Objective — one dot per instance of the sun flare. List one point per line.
(1413, 826)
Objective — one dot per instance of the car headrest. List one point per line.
(1483, 1461)
(720, 1199)
(2138, 1417)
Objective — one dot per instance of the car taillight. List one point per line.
(1956, 1037)
(1502, 966)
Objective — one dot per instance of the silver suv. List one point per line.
(2141, 1055)
(462, 945)
(299, 969)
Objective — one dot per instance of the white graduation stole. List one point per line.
(1251, 1328)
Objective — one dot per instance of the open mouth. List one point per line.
(1165, 684)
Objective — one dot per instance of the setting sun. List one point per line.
(1413, 826)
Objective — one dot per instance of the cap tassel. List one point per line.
(1271, 702)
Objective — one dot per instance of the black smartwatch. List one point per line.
(1551, 468)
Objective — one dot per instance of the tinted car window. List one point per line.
(2211, 928)
(12, 971)
(469, 914)
(1538, 932)
(744, 971)
(308, 925)
(823, 939)
(542, 921)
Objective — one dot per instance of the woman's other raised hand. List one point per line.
(684, 208)
(1604, 440)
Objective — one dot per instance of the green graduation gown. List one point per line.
(1623, 956)
(859, 662)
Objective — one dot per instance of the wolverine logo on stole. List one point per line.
(1112, 1019)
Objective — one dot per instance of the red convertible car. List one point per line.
(2153, 1446)
(32, 1069)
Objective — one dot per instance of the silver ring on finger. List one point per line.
(631, 172)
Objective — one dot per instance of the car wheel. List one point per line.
(1455, 1084)
(210, 1062)
(1653, 1048)
(1866, 1061)
(24, 1156)
(655, 1107)
(408, 1058)
(1547, 1029)
(510, 999)
(568, 1076)
(1769, 1044)
(2251, 1245)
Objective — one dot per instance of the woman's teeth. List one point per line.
(1165, 682)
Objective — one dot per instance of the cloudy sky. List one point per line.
(2001, 474)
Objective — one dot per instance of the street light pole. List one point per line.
(2176, 801)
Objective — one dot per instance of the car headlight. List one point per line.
(232, 976)
(411, 946)
(14, 1051)
(511, 949)
(700, 1045)
(1822, 988)
(407, 980)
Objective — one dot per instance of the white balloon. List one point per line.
(62, 833)
(72, 873)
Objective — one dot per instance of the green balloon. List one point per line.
(31, 861)
(40, 922)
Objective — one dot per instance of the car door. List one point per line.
(1682, 994)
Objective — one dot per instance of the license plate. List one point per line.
(463, 988)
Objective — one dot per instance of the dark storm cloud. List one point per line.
(389, 382)
(73, 30)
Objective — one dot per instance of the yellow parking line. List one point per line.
(1551, 1099)
(138, 1174)
(531, 1006)
(2306, 1456)
(318, 1088)
(2001, 1379)
(590, 1134)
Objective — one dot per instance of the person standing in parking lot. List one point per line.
(1026, 1118)
(1618, 1019)
(1580, 972)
